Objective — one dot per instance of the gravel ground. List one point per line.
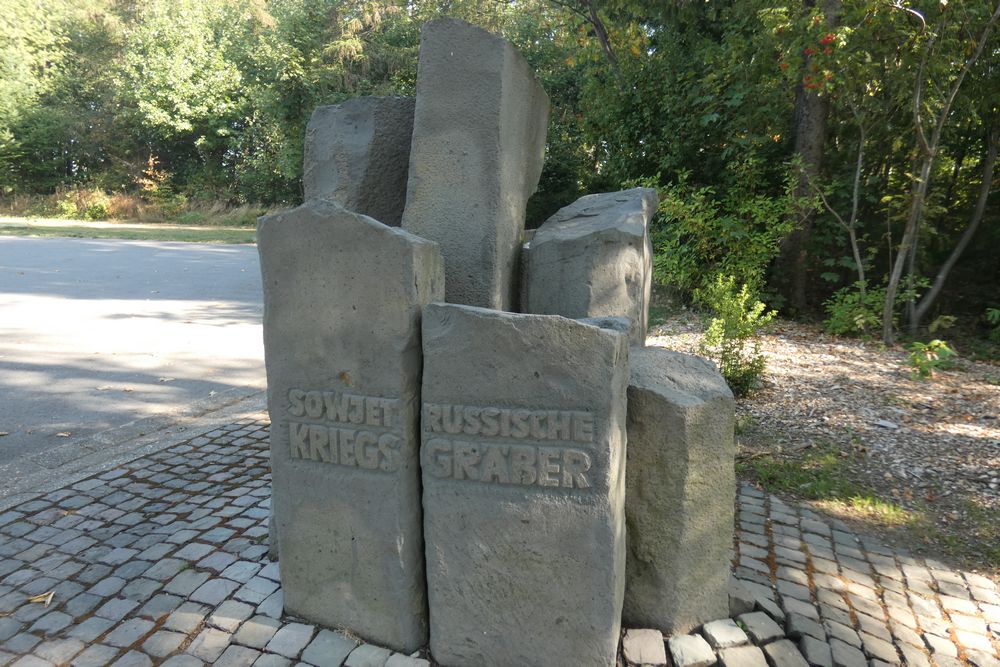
(930, 448)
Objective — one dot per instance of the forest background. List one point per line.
(835, 156)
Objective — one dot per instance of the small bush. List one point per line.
(855, 310)
(925, 358)
(66, 206)
(993, 317)
(96, 205)
(731, 338)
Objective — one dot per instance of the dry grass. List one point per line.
(97, 205)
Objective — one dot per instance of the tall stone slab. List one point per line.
(478, 147)
(594, 258)
(358, 154)
(342, 301)
(681, 490)
(522, 454)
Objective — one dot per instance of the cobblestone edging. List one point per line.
(163, 560)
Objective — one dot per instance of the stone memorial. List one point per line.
(455, 472)
(522, 454)
(680, 491)
(342, 301)
(358, 154)
(593, 258)
(478, 146)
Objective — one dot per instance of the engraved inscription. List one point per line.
(355, 430)
(477, 454)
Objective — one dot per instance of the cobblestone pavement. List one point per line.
(163, 560)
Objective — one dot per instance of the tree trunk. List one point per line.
(902, 256)
(809, 128)
(989, 162)
(927, 150)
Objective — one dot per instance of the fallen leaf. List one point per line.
(43, 597)
(63, 434)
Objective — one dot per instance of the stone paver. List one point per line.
(644, 647)
(163, 560)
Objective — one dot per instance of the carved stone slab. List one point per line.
(357, 153)
(681, 490)
(342, 300)
(523, 436)
(593, 258)
(478, 147)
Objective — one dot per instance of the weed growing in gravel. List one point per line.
(925, 358)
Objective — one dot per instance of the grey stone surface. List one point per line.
(690, 651)
(367, 655)
(783, 653)
(257, 631)
(400, 660)
(523, 435)
(357, 154)
(742, 656)
(724, 633)
(761, 627)
(291, 639)
(594, 258)
(478, 146)
(681, 487)
(644, 647)
(817, 653)
(741, 600)
(342, 299)
(329, 649)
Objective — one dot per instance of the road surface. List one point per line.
(101, 336)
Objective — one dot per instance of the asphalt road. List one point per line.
(96, 335)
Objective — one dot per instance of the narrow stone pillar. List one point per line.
(342, 301)
(522, 453)
(681, 490)
(594, 258)
(478, 147)
(357, 154)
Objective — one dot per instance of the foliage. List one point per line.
(925, 358)
(993, 317)
(732, 335)
(700, 232)
(700, 100)
(855, 310)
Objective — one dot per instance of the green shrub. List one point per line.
(98, 206)
(925, 358)
(66, 206)
(855, 310)
(731, 337)
(993, 317)
(737, 231)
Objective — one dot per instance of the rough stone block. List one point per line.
(690, 651)
(594, 258)
(644, 647)
(357, 154)
(522, 449)
(724, 633)
(783, 653)
(761, 628)
(681, 490)
(477, 152)
(342, 300)
(742, 656)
